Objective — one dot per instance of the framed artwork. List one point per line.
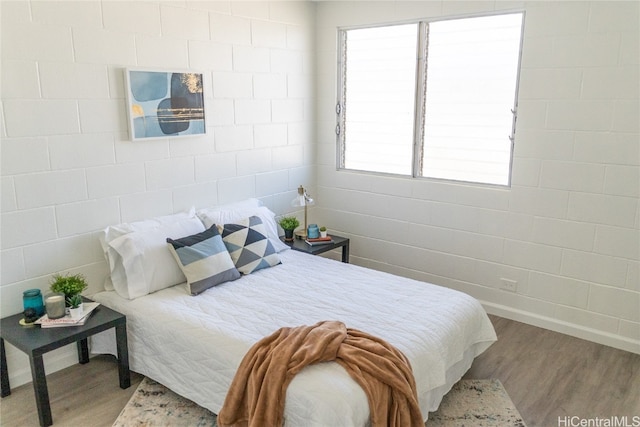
(164, 104)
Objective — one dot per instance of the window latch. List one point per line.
(338, 108)
(337, 129)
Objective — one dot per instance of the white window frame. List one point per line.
(420, 96)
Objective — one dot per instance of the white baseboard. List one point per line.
(600, 337)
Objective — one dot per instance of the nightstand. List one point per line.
(338, 242)
(35, 341)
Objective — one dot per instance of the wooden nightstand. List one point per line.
(35, 341)
(338, 242)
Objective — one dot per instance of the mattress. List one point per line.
(194, 344)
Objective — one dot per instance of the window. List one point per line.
(431, 99)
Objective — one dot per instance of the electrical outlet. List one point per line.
(508, 285)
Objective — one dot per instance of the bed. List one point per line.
(193, 344)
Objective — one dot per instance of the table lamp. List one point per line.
(302, 199)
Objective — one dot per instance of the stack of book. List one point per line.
(319, 241)
(67, 320)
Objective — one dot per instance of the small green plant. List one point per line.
(323, 228)
(68, 285)
(74, 301)
(289, 222)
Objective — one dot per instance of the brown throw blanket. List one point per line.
(257, 394)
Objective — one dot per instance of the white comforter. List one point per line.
(194, 344)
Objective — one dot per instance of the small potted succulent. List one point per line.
(323, 231)
(288, 224)
(76, 307)
(68, 285)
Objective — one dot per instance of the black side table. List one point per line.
(338, 242)
(35, 341)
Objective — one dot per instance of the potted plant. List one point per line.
(323, 231)
(75, 305)
(68, 285)
(288, 224)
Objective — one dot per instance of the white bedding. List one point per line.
(194, 344)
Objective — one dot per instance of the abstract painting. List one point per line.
(164, 104)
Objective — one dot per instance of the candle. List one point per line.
(55, 305)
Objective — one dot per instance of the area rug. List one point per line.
(476, 403)
(470, 403)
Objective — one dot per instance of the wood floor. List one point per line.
(548, 375)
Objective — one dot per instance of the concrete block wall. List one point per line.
(68, 166)
(567, 230)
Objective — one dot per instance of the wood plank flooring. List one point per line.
(548, 375)
(81, 395)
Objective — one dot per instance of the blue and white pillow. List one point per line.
(204, 260)
(248, 244)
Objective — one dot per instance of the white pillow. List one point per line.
(143, 236)
(237, 211)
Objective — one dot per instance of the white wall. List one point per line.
(68, 167)
(567, 229)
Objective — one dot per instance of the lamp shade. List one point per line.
(302, 198)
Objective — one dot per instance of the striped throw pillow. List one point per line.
(204, 260)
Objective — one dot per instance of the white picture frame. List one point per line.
(164, 103)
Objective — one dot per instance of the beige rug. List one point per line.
(470, 403)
